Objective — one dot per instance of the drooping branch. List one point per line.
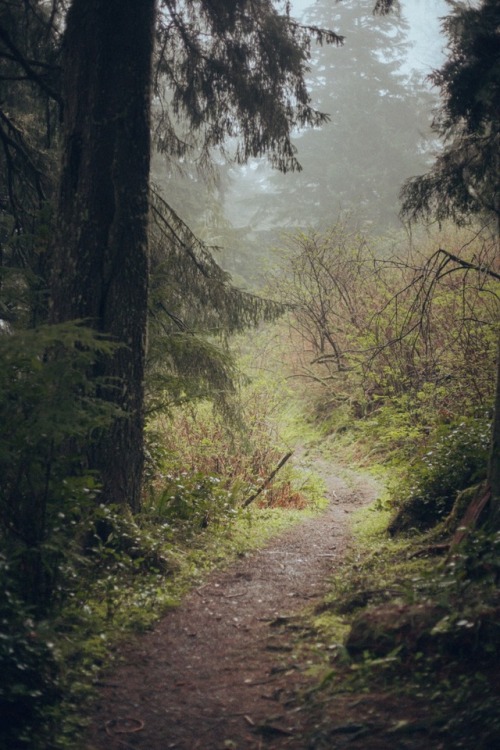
(383, 7)
(214, 302)
(29, 68)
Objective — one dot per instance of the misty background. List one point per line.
(375, 90)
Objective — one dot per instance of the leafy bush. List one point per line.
(200, 465)
(48, 407)
(394, 428)
(193, 500)
(29, 688)
(455, 457)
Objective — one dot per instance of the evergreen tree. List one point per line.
(376, 136)
(464, 180)
(222, 70)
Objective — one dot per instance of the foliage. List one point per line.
(29, 118)
(454, 458)
(29, 82)
(464, 177)
(390, 341)
(192, 501)
(193, 308)
(47, 402)
(228, 74)
(463, 181)
(201, 468)
(30, 686)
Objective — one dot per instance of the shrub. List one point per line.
(192, 501)
(48, 407)
(454, 458)
(29, 688)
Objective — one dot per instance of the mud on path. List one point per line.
(217, 673)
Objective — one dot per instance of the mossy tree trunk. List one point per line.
(100, 259)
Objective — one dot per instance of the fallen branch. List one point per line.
(431, 549)
(471, 517)
(268, 480)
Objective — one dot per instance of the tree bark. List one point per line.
(494, 461)
(100, 259)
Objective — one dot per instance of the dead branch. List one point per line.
(470, 266)
(268, 480)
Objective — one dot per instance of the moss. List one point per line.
(370, 523)
(331, 627)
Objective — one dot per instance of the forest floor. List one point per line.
(229, 668)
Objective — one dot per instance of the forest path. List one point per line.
(217, 673)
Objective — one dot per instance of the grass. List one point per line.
(445, 672)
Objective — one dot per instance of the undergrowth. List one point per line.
(131, 579)
(113, 574)
(408, 617)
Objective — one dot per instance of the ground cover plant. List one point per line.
(410, 624)
(125, 570)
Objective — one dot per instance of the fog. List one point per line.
(380, 102)
(424, 33)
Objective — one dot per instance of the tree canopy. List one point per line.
(464, 179)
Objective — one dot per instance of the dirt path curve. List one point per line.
(216, 673)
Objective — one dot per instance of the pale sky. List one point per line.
(423, 17)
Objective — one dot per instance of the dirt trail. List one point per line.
(217, 672)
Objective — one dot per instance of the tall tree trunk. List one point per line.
(100, 263)
(494, 462)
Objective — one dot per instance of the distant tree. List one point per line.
(376, 136)
(464, 182)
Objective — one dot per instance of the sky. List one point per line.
(425, 34)
(423, 17)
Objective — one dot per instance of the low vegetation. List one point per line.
(410, 629)
(107, 574)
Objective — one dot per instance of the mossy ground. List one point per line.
(128, 596)
(431, 644)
